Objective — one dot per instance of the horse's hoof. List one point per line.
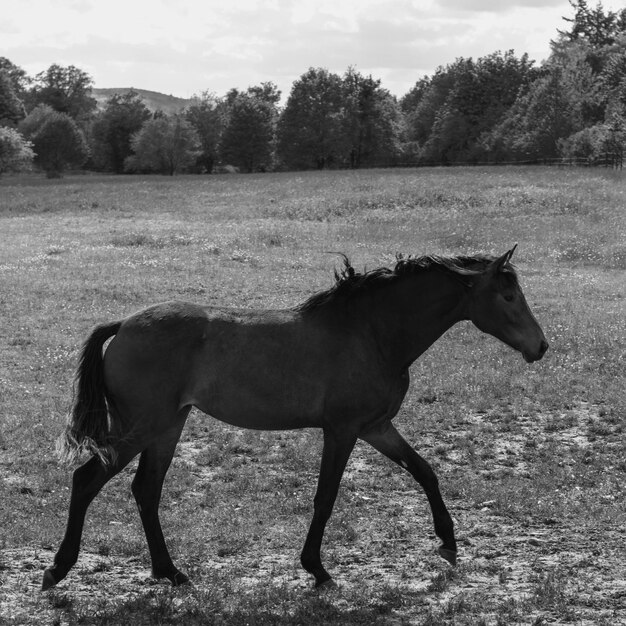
(448, 555)
(48, 580)
(179, 579)
(327, 585)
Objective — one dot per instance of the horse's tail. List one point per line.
(87, 429)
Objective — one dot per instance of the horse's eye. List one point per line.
(508, 298)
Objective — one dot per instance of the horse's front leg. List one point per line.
(337, 450)
(389, 442)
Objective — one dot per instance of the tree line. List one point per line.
(494, 109)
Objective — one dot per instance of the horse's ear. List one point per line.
(499, 263)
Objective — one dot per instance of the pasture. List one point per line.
(531, 459)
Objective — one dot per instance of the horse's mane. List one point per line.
(349, 282)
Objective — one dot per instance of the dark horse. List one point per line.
(339, 361)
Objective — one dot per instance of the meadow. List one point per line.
(531, 459)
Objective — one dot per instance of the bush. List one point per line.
(166, 144)
(16, 153)
(59, 145)
(58, 142)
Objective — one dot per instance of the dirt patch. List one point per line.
(535, 568)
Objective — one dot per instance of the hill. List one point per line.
(154, 100)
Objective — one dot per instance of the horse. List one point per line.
(339, 361)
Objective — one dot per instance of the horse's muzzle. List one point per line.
(531, 358)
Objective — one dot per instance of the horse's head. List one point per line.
(498, 307)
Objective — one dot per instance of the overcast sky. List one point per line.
(184, 47)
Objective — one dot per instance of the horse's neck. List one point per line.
(413, 313)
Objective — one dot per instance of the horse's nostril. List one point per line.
(544, 347)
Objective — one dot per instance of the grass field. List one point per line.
(531, 459)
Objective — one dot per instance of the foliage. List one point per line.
(371, 121)
(330, 121)
(448, 114)
(11, 107)
(112, 129)
(604, 142)
(310, 128)
(422, 103)
(248, 135)
(58, 142)
(207, 114)
(537, 122)
(266, 92)
(35, 119)
(19, 78)
(594, 25)
(65, 89)
(565, 112)
(500, 107)
(165, 144)
(582, 145)
(16, 153)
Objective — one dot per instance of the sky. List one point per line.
(186, 47)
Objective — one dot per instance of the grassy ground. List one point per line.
(531, 459)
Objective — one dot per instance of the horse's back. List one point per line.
(247, 367)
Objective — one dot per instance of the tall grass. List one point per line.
(530, 458)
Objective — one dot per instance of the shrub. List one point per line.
(16, 153)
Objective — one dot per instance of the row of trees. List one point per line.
(328, 121)
(493, 109)
(500, 108)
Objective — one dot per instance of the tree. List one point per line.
(567, 111)
(11, 107)
(310, 132)
(613, 77)
(113, 128)
(266, 92)
(35, 120)
(247, 138)
(371, 120)
(207, 114)
(538, 120)
(65, 89)
(16, 153)
(449, 114)
(13, 85)
(165, 144)
(604, 143)
(58, 142)
(597, 27)
(611, 86)
(614, 140)
(20, 80)
(422, 104)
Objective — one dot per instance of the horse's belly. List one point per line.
(265, 422)
(262, 404)
(259, 417)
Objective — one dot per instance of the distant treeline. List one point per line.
(495, 109)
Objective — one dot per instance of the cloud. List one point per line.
(190, 46)
(8, 26)
(496, 6)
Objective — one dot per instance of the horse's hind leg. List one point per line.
(147, 486)
(334, 458)
(87, 481)
(389, 441)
